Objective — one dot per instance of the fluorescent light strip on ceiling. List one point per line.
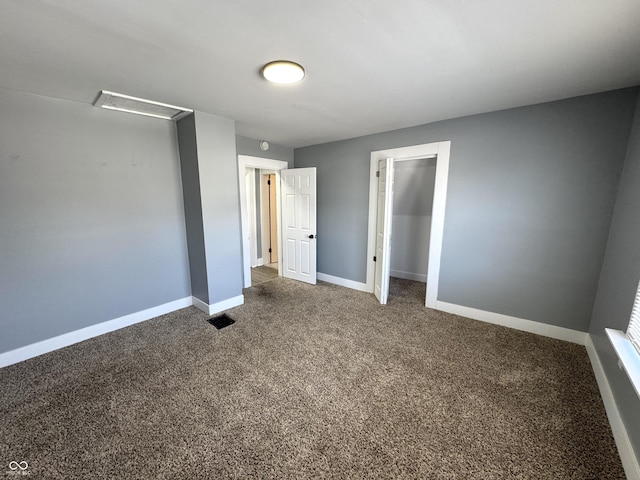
(140, 106)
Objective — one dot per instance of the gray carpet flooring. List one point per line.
(310, 382)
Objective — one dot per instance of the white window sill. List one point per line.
(628, 355)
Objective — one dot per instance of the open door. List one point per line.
(383, 229)
(298, 206)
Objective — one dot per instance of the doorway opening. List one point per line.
(295, 218)
(413, 189)
(250, 171)
(381, 199)
(269, 219)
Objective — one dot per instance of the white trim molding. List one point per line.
(64, 340)
(628, 355)
(552, 331)
(620, 435)
(219, 306)
(418, 277)
(200, 305)
(343, 282)
(49, 345)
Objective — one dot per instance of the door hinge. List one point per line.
(374, 258)
(269, 250)
(269, 182)
(378, 173)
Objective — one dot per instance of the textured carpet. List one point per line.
(310, 382)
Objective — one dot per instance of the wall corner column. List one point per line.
(208, 163)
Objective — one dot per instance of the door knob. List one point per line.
(313, 236)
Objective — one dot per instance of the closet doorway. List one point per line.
(422, 234)
(413, 188)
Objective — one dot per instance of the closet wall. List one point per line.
(414, 182)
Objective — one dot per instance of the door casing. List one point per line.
(384, 217)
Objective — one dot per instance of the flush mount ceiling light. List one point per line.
(140, 106)
(283, 72)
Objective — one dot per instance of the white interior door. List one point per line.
(298, 207)
(383, 229)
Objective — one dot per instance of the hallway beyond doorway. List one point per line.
(262, 274)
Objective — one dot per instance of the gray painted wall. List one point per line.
(188, 148)
(413, 187)
(413, 184)
(618, 284)
(220, 199)
(91, 213)
(529, 204)
(251, 146)
(212, 205)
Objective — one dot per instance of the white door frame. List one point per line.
(442, 150)
(246, 161)
(384, 225)
(250, 184)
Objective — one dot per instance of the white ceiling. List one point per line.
(372, 65)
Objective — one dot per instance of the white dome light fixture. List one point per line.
(283, 72)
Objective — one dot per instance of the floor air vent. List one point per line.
(221, 321)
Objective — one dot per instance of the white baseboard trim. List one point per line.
(200, 305)
(418, 277)
(538, 328)
(343, 282)
(623, 442)
(260, 262)
(61, 341)
(218, 307)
